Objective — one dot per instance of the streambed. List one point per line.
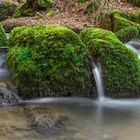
(71, 121)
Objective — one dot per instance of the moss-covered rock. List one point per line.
(48, 61)
(127, 33)
(50, 14)
(134, 2)
(3, 39)
(120, 66)
(121, 22)
(6, 10)
(132, 16)
(117, 20)
(38, 15)
(30, 7)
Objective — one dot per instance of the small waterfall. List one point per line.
(96, 69)
(134, 45)
(7, 90)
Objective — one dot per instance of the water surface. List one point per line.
(68, 119)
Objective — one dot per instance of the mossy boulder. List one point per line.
(120, 66)
(134, 2)
(38, 15)
(132, 16)
(6, 10)
(121, 22)
(127, 33)
(30, 7)
(49, 61)
(3, 40)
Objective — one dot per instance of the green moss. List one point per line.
(132, 16)
(6, 10)
(50, 14)
(39, 15)
(116, 20)
(127, 33)
(30, 7)
(134, 2)
(121, 22)
(48, 60)
(45, 3)
(21, 12)
(120, 66)
(3, 39)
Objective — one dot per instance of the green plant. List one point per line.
(120, 66)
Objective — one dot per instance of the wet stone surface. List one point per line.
(48, 122)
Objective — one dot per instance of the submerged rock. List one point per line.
(45, 121)
(8, 96)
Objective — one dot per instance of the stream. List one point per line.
(65, 118)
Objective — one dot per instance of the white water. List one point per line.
(97, 72)
(134, 45)
(7, 90)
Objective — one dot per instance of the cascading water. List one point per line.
(7, 90)
(134, 45)
(97, 72)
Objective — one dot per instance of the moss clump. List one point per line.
(120, 66)
(30, 7)
(127, 33)
(3, 39)
(134, 2)
(6, 10)
(48, 61)
(50, 14)
(116, 20)
(133, 16)
(38, 15)
(121, 22)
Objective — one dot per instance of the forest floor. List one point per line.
(70, 15)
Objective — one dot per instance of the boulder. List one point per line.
(6, 10)
(120, 65)
(3, 40)
(49, 61)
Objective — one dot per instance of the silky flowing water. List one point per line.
(67, 118)
(85, 120)
(97, 73)
(134, 45)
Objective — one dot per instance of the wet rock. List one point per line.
(8, 93)
(7, 96)
(47, 122)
